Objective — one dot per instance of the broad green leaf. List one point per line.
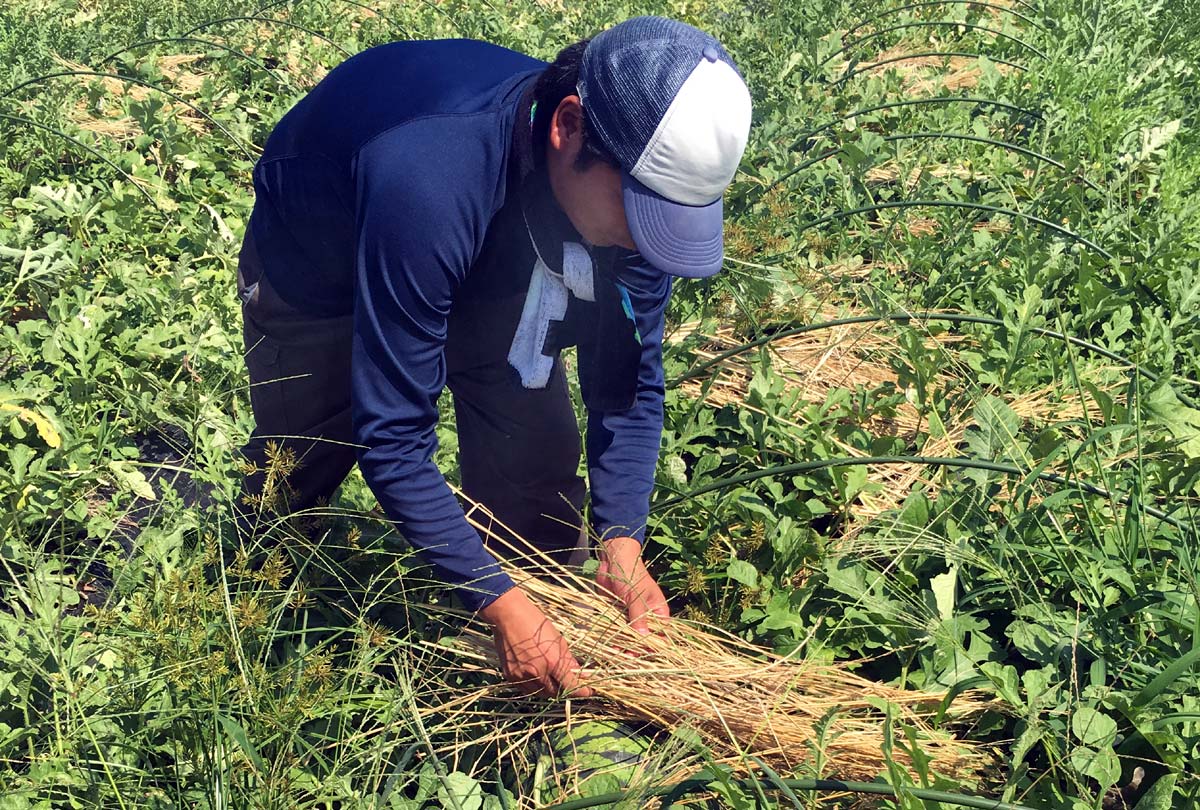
(997, 426)
(854, 481)
(1183, 422)
(132, 479)
(1033, 640)
(916, 510)
(1102, 765)
(459, 791)
(943, 587)
(19, 457)
(1004, 679)
(1092, 727)
(780, 615)
(846, 576)
(1160, 795)
(789, 66)
(742, 572)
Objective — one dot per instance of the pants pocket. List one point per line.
(266, 389)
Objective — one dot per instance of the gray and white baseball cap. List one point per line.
(670, 104)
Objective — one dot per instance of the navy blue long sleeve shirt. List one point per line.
(375, 195)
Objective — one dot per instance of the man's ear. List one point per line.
(566, 128)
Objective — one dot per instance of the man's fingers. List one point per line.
(533, 655)
(658, 603)
(576, 690)
(570, 679)
(649, 600)
(636, 609)
(605, 584)
(530, 686)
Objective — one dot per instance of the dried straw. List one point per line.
(1040, 407)
(814, 364)
(923, 75)
(890, 171)
(860, 356)
(179, 79)
(739, 698)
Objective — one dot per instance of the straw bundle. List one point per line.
(917, 225)
(738, 698)
(857, 269)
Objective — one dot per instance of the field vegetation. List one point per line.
(937, 423)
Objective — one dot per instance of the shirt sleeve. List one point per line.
(623, 445)
(420, 221)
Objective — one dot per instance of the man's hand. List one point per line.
(623, 574)
(533, 654)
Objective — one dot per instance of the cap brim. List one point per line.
(682, 240)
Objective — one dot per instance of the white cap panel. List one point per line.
(698, 144)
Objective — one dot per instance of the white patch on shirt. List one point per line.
(547, 300)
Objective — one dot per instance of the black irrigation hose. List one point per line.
(930, 461)
(199, 40)
(141, 83)
(931, 3)
(930, 24)
(911, 102)
(926, 54)
(956, 136)
(285, 23)
(82, 145)
(866, 209)
(1012, 147)
(392, 20)
(907, 317)
(673, 791)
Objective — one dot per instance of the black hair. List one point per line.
(558, 81)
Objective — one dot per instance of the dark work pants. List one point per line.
(518, 451)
